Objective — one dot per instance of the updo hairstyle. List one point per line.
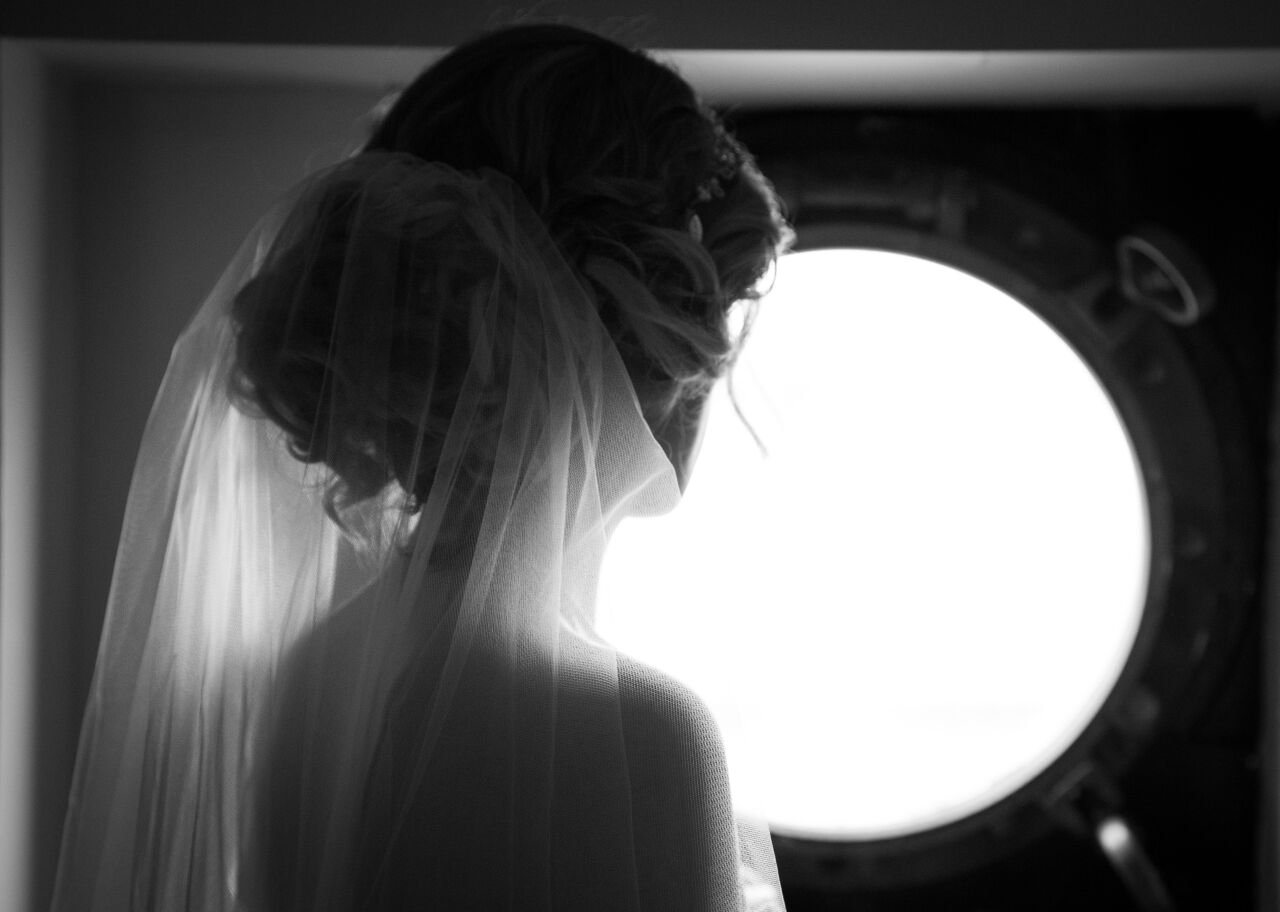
(617, 155)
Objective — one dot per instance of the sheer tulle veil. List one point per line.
(349, 659)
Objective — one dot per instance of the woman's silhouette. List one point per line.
(349, 659)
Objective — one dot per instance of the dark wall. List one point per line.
(805, 24)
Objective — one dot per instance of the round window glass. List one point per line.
(919, 587)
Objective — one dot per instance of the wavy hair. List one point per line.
(626, 167)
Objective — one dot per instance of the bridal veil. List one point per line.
(349, 659)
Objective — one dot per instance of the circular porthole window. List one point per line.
(919, 586)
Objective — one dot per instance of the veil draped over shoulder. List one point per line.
(349, 659)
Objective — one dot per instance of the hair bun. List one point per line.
(354, 335)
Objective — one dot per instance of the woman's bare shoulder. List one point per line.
(655, 703)
(682, 809)
(660, 714)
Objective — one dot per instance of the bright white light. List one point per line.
(1115, 837)
(925, 590)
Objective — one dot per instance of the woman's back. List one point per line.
(636, 795)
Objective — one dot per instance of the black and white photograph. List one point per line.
(640, 456)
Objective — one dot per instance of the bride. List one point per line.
(349, 659)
